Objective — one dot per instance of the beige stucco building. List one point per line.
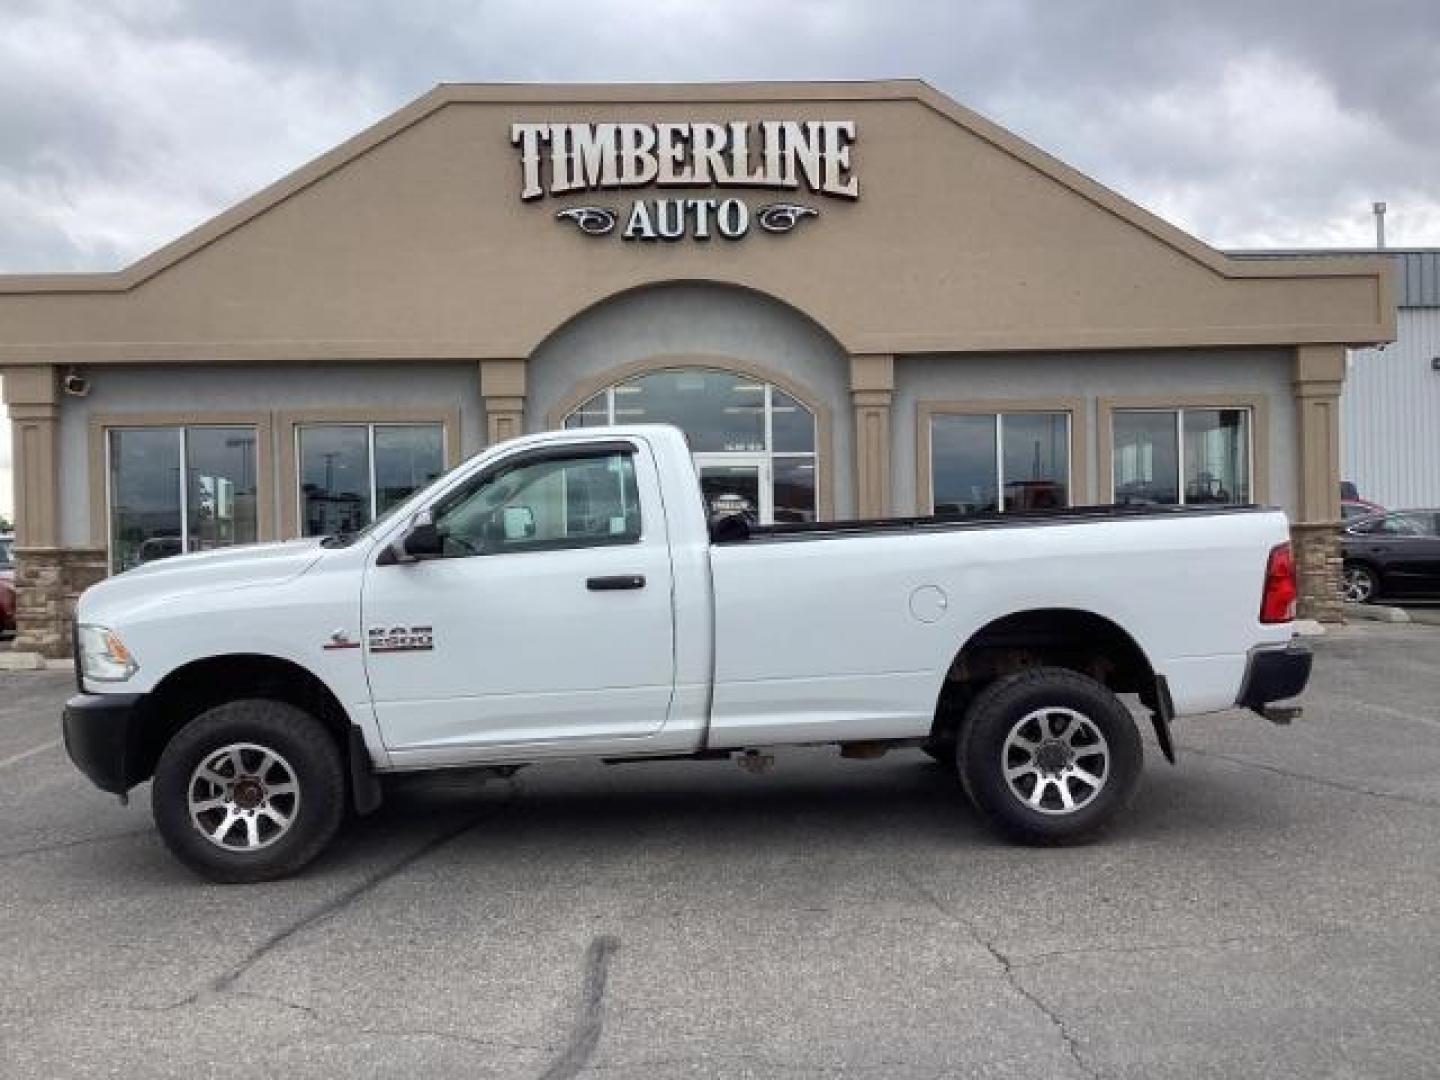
(859, 299)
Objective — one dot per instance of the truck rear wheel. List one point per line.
(249, 791)
(1049, 756)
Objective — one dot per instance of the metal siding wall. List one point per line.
(1390, 407)
(1419, 279)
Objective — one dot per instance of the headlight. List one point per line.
(103, 656)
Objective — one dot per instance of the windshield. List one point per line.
(6, 558)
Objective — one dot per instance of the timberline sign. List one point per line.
(778, 155)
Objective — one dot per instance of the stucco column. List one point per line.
(48, 578)
(1319, 373)
(502, 386)
(872, 390)
(32, 399)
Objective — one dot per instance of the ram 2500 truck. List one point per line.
(564, 595)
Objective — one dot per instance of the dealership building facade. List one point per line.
(857, 300)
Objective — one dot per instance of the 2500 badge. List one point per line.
(400, 638)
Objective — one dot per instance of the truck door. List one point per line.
(546, 618)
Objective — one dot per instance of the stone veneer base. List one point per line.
(1318, 562)
(48, 581)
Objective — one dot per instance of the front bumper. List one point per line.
(1275, 675)
(102, 738)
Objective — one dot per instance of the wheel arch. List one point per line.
(1071, 638)
(202, 684)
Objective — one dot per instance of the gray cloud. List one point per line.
(124, 122)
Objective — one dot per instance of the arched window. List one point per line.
(754, 444)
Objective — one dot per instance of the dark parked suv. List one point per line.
(1393, 554)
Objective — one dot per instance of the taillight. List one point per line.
(1277, 603)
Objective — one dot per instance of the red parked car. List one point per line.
(1353, 507)
(7, 587)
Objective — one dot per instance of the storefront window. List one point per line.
(220, 504)
(407, 457)
(1217, 455)
(1146, 458)
(352, 473)
(976, 456)
(1167, 456)
(754, 444)
(158, 509)
(794, 479)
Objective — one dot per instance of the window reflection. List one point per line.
(335, 479)
(718, 410)
(1036, 465)
(543, 506)
(220, 503)
(159, 507)
(735, 424)
(407, 457)
(1217, 456)
(144, 496)
(1165, 456)
(794, 489)
(962, 460)
(338, 491)
(1146, 458)
(974, 456)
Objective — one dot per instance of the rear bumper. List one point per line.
(1275, 675)
(101, 736)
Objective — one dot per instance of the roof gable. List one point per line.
(411, 239)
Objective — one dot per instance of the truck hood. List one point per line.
(166, 580)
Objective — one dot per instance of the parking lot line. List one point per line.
(23, 755)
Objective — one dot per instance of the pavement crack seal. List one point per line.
(65, 845)
(1263, 940)
(1336, 785)
(224, 982)
(340, 902)
(1012, 977)
(316, 1016)
(590, 1015)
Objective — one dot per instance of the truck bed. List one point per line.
(1010, 519)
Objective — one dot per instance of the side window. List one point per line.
(1405, 525)
(544, 505)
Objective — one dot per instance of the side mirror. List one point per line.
(519, 522)
(422, 540)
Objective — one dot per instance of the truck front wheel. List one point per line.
(1049, 756)
(249, 791)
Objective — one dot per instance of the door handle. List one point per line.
(615, 582)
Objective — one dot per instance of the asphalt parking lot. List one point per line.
(1269, 908)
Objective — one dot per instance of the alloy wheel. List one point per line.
(1055, 760)
(1356, 585)
(243, 797)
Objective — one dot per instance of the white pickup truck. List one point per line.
(563, 595)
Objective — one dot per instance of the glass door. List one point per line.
(736, 484)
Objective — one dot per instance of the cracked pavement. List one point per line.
(1270, 907)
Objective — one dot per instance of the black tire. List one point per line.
(1359, 584)
(982, 756)
(302, 748)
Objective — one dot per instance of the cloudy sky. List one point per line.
(1252, 123)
